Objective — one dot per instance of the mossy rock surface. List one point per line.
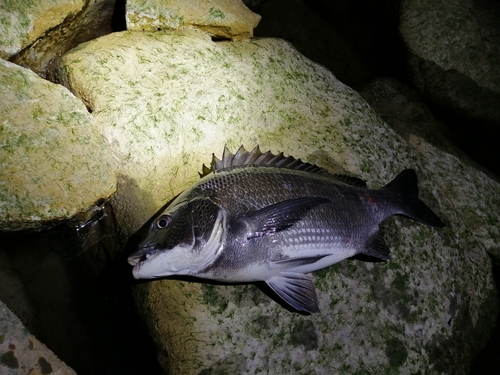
(166, 101)
(454, 54)
(229, 19)
(54, 161)
(23, 21)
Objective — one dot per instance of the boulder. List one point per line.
(35, 33)
(405, 112)
(227, 19)
(313, 37)
(454, 54)
(22, 353)
(166, 101)
(23, 22)
(54, 161)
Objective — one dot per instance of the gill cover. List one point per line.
(185, 237)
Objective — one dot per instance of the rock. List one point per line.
(228, 19)
(22, 353)
(65, 273)
(404, 111)
(454, 54)
(54, 162)
(37, 33)
(166, 101)
(23, 22)
(314, 37)
(204, 111)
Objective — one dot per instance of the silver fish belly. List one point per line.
(262, 217)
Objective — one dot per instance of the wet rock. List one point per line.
(390, 317)
(227, 19)
(54, 161)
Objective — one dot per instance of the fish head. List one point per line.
(182, 240)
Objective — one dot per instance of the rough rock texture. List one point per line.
(22, 22)
(55, 281)
(454, 53)
(181, 89)
(53, 161)
(35, 33)
(166, 101)
(313, 37)
(221, 18)
(402, 109)
(22, 353)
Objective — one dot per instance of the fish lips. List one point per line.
(148, 248)
(142, 254)
(140, 258)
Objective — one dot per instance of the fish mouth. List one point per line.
(142, 255)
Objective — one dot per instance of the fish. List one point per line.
(264, 217)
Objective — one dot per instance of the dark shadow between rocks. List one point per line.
(486, 362)
(79, 282)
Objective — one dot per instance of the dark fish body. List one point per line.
(265, 217)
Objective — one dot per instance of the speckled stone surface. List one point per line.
(53, 161)
(220, 18)
(23, 21)
(454, 54)
(166, 101)
(22, 353)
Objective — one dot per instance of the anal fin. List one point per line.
(376, 248)
(296, 289)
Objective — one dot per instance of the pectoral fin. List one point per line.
(296, 289)
(280, 216)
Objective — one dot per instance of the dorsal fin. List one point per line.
(349, 180)
(256, 158)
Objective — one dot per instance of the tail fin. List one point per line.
(405, 185)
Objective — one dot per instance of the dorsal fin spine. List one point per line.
(255, 158)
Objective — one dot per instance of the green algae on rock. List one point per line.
(454, 57)
(22, 22)
(54, 162)
(166, 101)
(229, 19)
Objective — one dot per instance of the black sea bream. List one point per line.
(263, 217)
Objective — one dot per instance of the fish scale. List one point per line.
(257, 216)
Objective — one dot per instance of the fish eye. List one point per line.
(163, 222)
